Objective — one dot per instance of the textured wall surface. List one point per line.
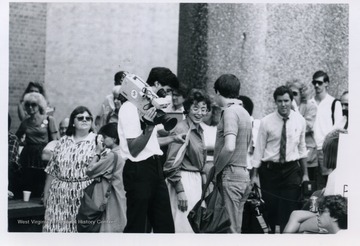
(88, 43)
(265, 45)
(27, 29)
(85, 44)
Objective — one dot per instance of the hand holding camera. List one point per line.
(138, 92)
(150, 114)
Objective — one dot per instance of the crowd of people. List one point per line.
(160, 173)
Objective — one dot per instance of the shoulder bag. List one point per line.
(255, 214)
(213, 218)
(93, 203)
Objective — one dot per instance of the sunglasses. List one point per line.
(33, 105)
(81, 118)
(345, 104)
(314, 82)
(295, 93)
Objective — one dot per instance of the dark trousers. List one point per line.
(148, 202)
(280, 185)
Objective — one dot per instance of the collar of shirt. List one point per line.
(282, 117)
(192, 126)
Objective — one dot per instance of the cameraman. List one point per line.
(148, 204)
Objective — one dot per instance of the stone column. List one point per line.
(264, 45)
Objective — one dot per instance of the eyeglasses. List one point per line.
(295, 93)
(201, 110)
(33, 105)
(81, 118)
(345, 104)
(314, 82)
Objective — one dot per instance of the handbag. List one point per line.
(254, 215)
(93, 203)
(213, 218)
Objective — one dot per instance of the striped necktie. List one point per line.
(283, 142)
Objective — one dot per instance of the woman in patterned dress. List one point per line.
(66, 177)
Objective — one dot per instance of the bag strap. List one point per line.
(333, 109)
(210, 178)
(48, 129)
(108, 191)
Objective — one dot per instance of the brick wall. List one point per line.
(27, 37)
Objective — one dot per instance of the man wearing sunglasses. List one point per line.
(327, 118)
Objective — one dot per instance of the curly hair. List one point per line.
(337, 206)
(35, 97)
(302, 87)
(196, 95)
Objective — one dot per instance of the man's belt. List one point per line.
(276, 165)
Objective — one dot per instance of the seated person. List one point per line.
(331, 218)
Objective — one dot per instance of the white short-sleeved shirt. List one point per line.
(323, 122)
(129, 127)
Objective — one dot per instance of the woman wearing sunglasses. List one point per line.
(33, 87)
(39, 129)
(307, 108)
(66, 177)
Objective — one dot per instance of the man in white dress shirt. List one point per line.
(280, 159)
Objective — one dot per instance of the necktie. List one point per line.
(283, 142)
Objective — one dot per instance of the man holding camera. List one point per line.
(148, 204)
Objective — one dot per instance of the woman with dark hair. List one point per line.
(66, 177)
(102, 166)
(38, 129)
(184, 172)
(32, 87)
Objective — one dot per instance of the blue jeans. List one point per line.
(236, 186)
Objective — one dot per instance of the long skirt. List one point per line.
(193, 187)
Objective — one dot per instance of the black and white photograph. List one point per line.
(167, 122)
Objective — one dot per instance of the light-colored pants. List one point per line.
(192, 184)
(236, 186)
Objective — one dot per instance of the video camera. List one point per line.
(138, 92)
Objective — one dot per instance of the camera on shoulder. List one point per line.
(138, 92)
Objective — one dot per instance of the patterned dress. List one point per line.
(67, 166)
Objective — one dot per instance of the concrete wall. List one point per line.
(27, 39)
(76, 48)
(88, 43)
(264, 45)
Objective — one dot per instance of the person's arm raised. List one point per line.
(136, 145)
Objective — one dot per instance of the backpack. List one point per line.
(333, 109)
